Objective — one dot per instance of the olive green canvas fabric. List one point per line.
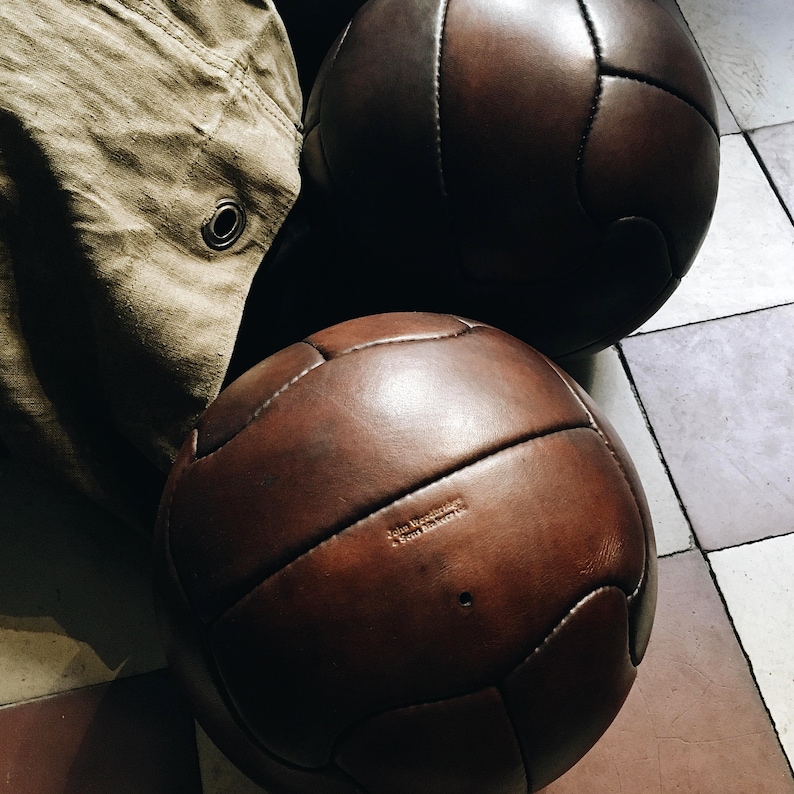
(124, 124)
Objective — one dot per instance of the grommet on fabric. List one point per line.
(225, 226)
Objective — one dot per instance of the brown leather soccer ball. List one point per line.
(405, 555)
(548, 166)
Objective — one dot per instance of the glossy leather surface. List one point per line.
(547, 167)
(408, 525)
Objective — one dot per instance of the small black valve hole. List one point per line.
(465, 599)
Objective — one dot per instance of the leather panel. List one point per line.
(189, 655)
(246, 396)
(377, 616)
(391, 417)
(518, 82)
(658, 49)
(466, 745)
(650, 154)
(580, 676)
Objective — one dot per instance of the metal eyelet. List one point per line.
(225, 226)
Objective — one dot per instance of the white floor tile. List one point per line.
(757, 582)
(775, 146)
(746, 262)
(605, 380)
(749, 45)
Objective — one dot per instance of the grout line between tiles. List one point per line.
(627, 370)
(750, 542)
(773, 724)
(692, 323)
(769, 178)
(715, 85)
(696, 546)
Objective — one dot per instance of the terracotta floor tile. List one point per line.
(719, 397)
(694, 721)
(131, 736)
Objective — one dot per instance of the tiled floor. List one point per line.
(703, 396)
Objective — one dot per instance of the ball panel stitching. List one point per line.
(597, 95)
(404, 340)
(497, 684)
(619, 463)
(336, 532)
(258, 412)
(638, 78)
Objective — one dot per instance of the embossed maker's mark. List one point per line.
(417, 527)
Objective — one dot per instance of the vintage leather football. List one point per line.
(404, 555)
(547, 166)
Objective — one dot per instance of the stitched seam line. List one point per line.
(597, 95)
(418, 487)
(318, 125)
(174, 32)
(567, 619)
(637, 78)
(263, 407)
(594, 426)
(330, 67)
(437, 108)
(499, 685)
(365, 345)
(263, 101)
(468, 329)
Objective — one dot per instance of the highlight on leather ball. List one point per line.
(406, 554)
(548, 166)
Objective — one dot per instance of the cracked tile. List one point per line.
(693, 722)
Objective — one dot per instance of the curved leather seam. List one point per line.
(594, 426)
(555, 630)
(214, 670)
(415, 489)
(591, 31)
(416, 706)
(378, 342)
(636, 314)
(645, 80)
(258, 411)
(437, 95)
